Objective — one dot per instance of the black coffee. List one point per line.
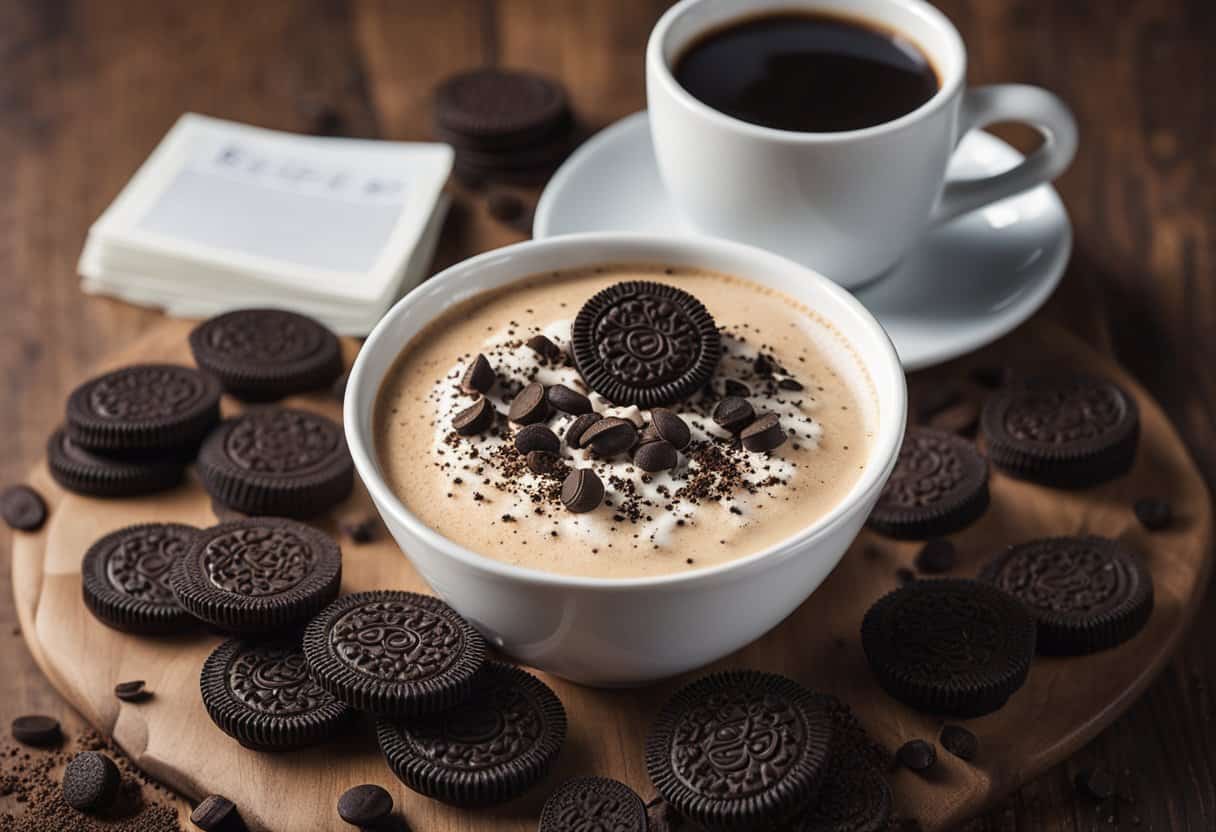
(807, 72)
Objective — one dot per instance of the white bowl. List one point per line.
(618, 632)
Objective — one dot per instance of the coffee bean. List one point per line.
(545, 348)
(537, 438)
(962, 419)
(610, 436)
(734, 414)
(582, 491)
(90, 781)
(656, 456)
(543, 463)
(530, 406)
(959, 741)
(916, 755)
(1153, 513)
(23, 508)
(217, 814)
(568, 401)
(736, 388)
(668, 425)
(479, 377)
(134, 691)
(504, 206)
(764, 435)
(365, 805)
(936, 556)
(790, 384)
(37, 730)
(574, 433)
(1097, 784)
(476, 418)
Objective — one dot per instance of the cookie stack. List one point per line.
(504, 125)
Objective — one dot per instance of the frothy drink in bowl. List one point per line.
(622, 421)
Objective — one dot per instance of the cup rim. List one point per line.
(889, 428)
(657, 66)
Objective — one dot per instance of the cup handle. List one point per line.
(1037, 107)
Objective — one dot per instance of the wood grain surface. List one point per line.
(1064, 702)
(88, 88)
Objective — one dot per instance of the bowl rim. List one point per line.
(883, 455)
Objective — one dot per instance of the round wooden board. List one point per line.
(1064, 703)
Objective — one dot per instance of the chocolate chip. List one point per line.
(763, 366)
(537, 438)
(530, 406)
(133, 691)
(764, 435)
(959, 741)
(962, 419)
(671, 427)
(474, 419)
(656, 456)
(916, 755)
(545, 348)
(90, 781)
(1153, 513)
(479, 377)
(936, 556)
(582, 491)
(37, 730)
(504, 206)
(543, 463)
(1097, 784)
(365, 805)
(217, 814)
(610, 436)
(574, 433)
(568, 401)
(736, 388)
(790, 384)
(23, 508)
(360, 529)
(734, 414)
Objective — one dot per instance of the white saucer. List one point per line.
(967, 284)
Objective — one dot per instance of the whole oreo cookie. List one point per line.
(125, 578)
(949, 646)
(266, 354)
(939, 485)
(261, 695)
(277, 461)
(645, 343)
(1069, 432)
(94, 475)
(394, 653)
(491, 747)
(593, 803)
(261, 575)
(739, 750)
(1086, 593)
(141, 408)
(493, 107)
(855, 797)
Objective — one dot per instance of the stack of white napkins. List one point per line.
(223, 216)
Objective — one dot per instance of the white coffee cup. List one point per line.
(851, 203)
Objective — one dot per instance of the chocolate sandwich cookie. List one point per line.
(1069, 432)
(143, 408)
(939, 485)
(277, 461)
(94, 475)
(266, 354)
(1086, 593)
(261, 575)
(494, 107)
(855, 797)
(392, 653)
(739, 750)
(125, 578)
(261, 695)
(491, 747)
(593, 803)
(949, 646)
(645, 343)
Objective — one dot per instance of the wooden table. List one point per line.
(88, 88)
